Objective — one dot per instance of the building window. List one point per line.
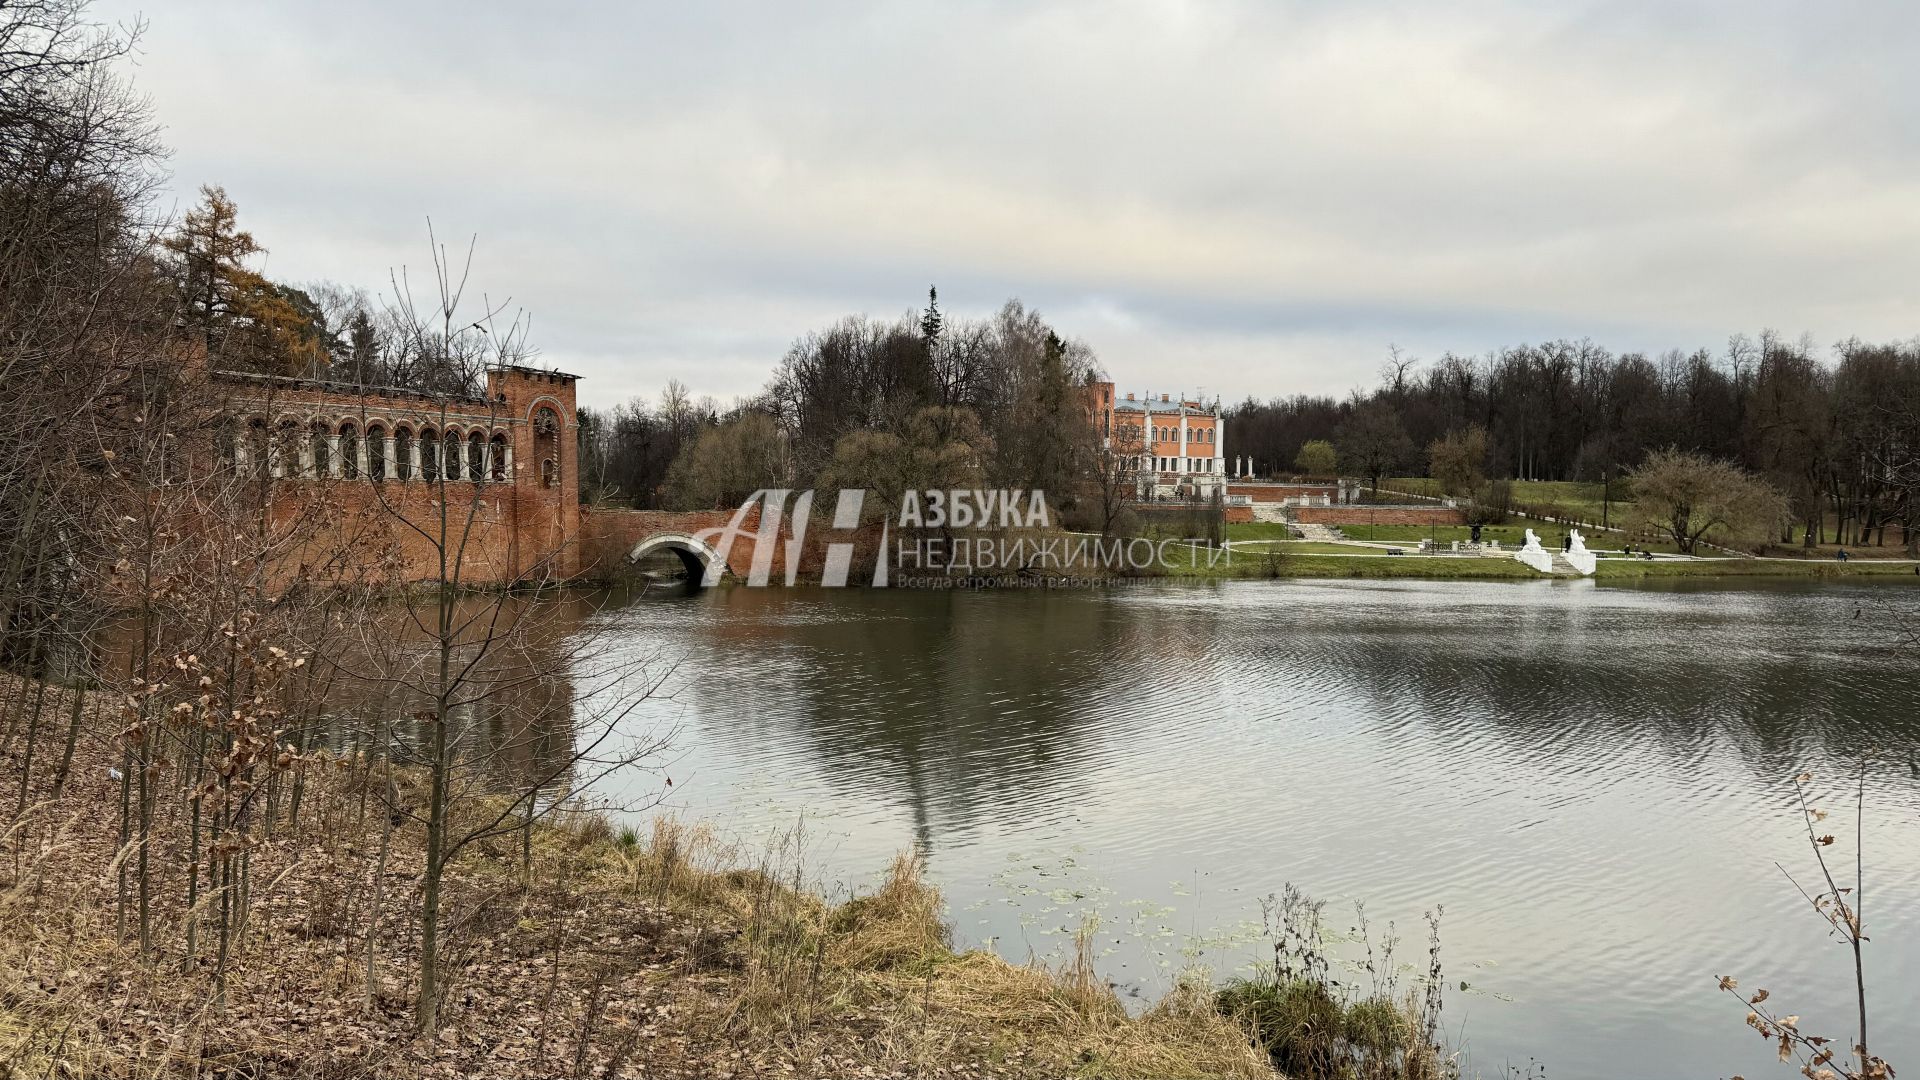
(349, 451)
(376, 452)
(402, 454)
(286, 449)
(321, 438)
(256, 447)
(546, 445)
(450, 455)
(498, 463)
(476, 454)
(429, 455)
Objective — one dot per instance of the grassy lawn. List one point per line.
(1257, 530)
(1333, 565)
(1577, 500)
(1828, 551)
(1510, 535)
(1312, 547)
(1574, 499)
(1408, 566)
(1335, 561)
(1626, 569)
(1418, 485)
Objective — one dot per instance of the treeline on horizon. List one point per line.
(1837, 435)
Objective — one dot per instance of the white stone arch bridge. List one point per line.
(695, 554)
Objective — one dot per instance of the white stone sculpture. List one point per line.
(1534, 555)
(1578, 555)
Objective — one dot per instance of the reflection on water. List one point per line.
(528, 681)
(1592, 781)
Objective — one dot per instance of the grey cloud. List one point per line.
(1260, 195)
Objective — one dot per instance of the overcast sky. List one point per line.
(1247, 198)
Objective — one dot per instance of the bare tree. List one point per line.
(1686, 496)
(1114, 468)
(465, 671)
(1372, 441)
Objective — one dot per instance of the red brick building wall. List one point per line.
(346, 471)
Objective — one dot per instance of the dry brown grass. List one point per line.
(674, 949)
(884, 965)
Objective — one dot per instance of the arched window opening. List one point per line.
(226, 442)
(320, 438)
(546, 445)
(286, 449)
(476, 453)
(450, 460)
(429, 455)
(349, 451)
(402, 454)
(257, 447)
(498, 459)
(376, 452)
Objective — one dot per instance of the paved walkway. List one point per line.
(1319, 533)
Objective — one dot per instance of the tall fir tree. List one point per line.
(931, 320)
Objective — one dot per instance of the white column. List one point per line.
(393, 467)
(413, 457)
(1183, 441)
(360, 455)
(335, 467)
(486, 460)
(306, 452)
(506, 460)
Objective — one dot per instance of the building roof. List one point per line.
(1163, 407)
(345, 389)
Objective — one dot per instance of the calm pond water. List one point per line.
(1593, 781)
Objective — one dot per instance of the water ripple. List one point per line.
(1591, 780)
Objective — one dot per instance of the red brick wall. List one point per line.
(1239, 515)
(524, 526)
(1378, 515)
(607, 536)
(1273, 493)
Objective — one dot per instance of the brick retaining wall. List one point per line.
(1378, 515)
(1273, 492)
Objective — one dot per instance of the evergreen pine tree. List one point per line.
(931, 321)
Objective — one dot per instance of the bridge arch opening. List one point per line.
(694, 555)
